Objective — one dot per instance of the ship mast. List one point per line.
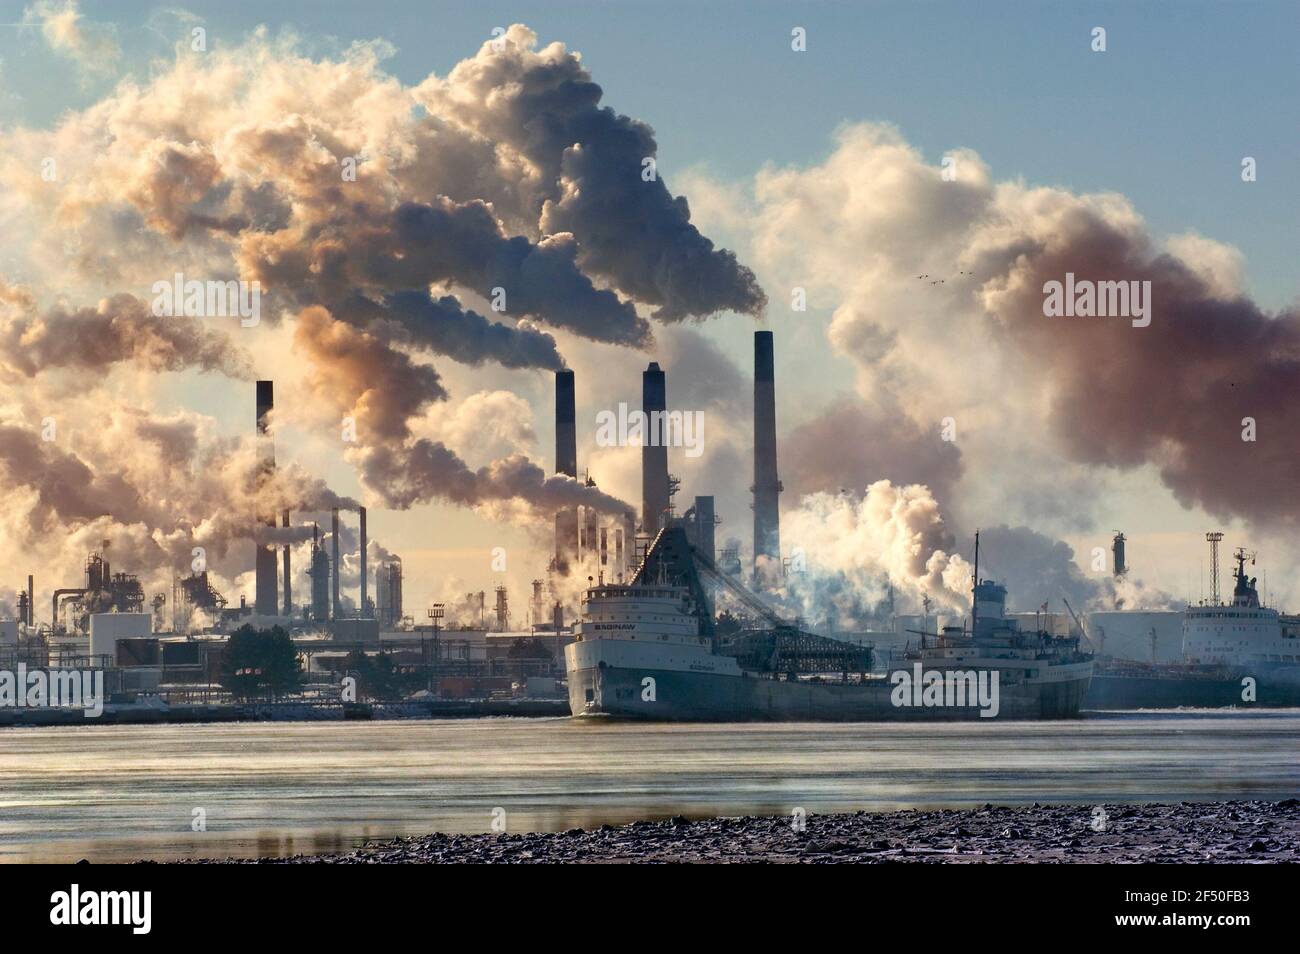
(1214, 537)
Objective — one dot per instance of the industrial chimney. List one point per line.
(627, 554)
(503, 610)
(320, 578)
(364, 614)
(288, 587)
(338, 609)
(566, 462)
(1117, 549)
(264, 603)
(654, 452)
(767, 486)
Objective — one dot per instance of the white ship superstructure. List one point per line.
(997, 642)
(648, 628)
(1242, 633)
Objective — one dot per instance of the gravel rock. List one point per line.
(1256, 832)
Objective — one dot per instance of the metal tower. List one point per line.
(1214, 537)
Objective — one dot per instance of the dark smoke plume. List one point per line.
(590, 162)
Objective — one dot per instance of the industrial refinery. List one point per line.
(170, 651)
(696, 433)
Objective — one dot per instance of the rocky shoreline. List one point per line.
(1238, 831)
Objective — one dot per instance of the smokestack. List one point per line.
(265, 404)
(338, 610)
(591, 523)
(503, 610)
(288, 587)
(566, 440)
(654, 452)
(264, 602)
(31, 595)
(705, 526)
(767, 486)
(363, 613)
(566, 462)
(628, 536)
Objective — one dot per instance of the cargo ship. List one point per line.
(1234, 654)
(651, 650)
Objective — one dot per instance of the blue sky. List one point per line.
(1184, 90)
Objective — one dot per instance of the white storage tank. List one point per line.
(1126, 634)
(107, 628)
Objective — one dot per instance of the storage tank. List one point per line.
(1128, 634)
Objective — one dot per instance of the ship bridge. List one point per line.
(782, 646)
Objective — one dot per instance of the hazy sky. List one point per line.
(747, 129)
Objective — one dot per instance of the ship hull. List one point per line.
(677, 696)
(1275, 688)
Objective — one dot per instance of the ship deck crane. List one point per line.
(1078, 622)
(786, 647)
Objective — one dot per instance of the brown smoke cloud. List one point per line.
(120, 329)
(426, 470)
(355, 372)
(851, 444)
(1176, 394)
(937, 289)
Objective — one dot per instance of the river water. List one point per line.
(114, 793)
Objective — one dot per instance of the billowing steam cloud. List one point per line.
(579, 169)
(156, 488)
(1177, 394)
(391, 256)
(848, 549)
(470, 338)
(119, 329)
(368, 212)
(938, 290)
(427, 470)
(1037, 569)
(853, 546)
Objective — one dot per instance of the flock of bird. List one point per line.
(940, 281)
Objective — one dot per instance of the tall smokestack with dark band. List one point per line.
(767, 486)
(264, 603)
(337, 567)
(566, 462)
(654, 451)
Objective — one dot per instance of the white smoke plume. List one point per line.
(855, 545)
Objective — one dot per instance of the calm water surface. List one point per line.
(113, 793)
